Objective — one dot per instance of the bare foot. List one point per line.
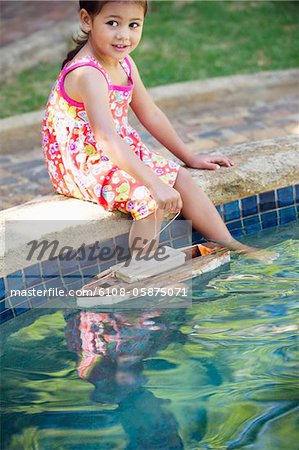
(258, 254)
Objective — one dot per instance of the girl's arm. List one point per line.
(93, 90)
(95, 96)
(158, 125)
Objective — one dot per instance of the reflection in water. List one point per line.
(111, 348)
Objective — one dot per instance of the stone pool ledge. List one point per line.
(260, 166)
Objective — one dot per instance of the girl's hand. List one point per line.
(166, 197)
(209, 162)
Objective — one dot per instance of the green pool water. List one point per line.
(219, 375)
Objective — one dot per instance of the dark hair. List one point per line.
(93, 8)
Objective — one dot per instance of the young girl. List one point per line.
(94, 154)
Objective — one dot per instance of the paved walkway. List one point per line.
(32, 16)
(205, 127)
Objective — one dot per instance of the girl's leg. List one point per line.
(205, 218)
(144, 230)
(199, 208)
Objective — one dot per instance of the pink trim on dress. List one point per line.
(130, 68)
(93, 63)
(121, 88)
(131, 85)
(69, 69)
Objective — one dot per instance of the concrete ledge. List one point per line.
(24, 131)
(232, 89)
(259, 167)
(52, 217)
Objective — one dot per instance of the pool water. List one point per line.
(219, 375)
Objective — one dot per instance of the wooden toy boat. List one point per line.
(120, 283)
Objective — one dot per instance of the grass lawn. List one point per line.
(188, 41)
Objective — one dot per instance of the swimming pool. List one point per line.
(219, 375)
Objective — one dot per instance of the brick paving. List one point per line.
(20, 19)
(203, 128)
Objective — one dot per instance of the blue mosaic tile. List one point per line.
(74, 275)
(252, 224)
(269, 219)
(105, 254)
(75, 285)
(37, 301)
(165, 235)
(122, 249)
(267, 201)
(179, 228)
(4, 305)
(22, 308)
(67, 267)
(297, 193)
(231, 211)
(50, 268)
(237, 233)
(110, 250)
(38, 297)
(121, 258)
(287, 215)
(56, 282)
(285, 196)
(83, 256)
(249, 206)
(72, 278)
(16, 300)
(15, 281)
(32, 275)
(197, 238)
(6, 315)
(235, 225)
(2, 288)
(220, 210)
(92, 271)
(106, 265)
(69, 281)
(121, 240)
(181, 242)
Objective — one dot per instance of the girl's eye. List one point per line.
(134, 25)
(112, 23)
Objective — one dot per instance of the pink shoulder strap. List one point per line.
(128, 64)
(81, 62)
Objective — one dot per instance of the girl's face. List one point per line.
(116, 30)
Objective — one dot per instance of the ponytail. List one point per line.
(80, 41)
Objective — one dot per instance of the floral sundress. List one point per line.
(76, 163)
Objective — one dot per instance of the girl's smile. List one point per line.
(115, 31)
(120, 48)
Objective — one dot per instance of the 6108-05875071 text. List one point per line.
(141, 292)
(101, 292)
